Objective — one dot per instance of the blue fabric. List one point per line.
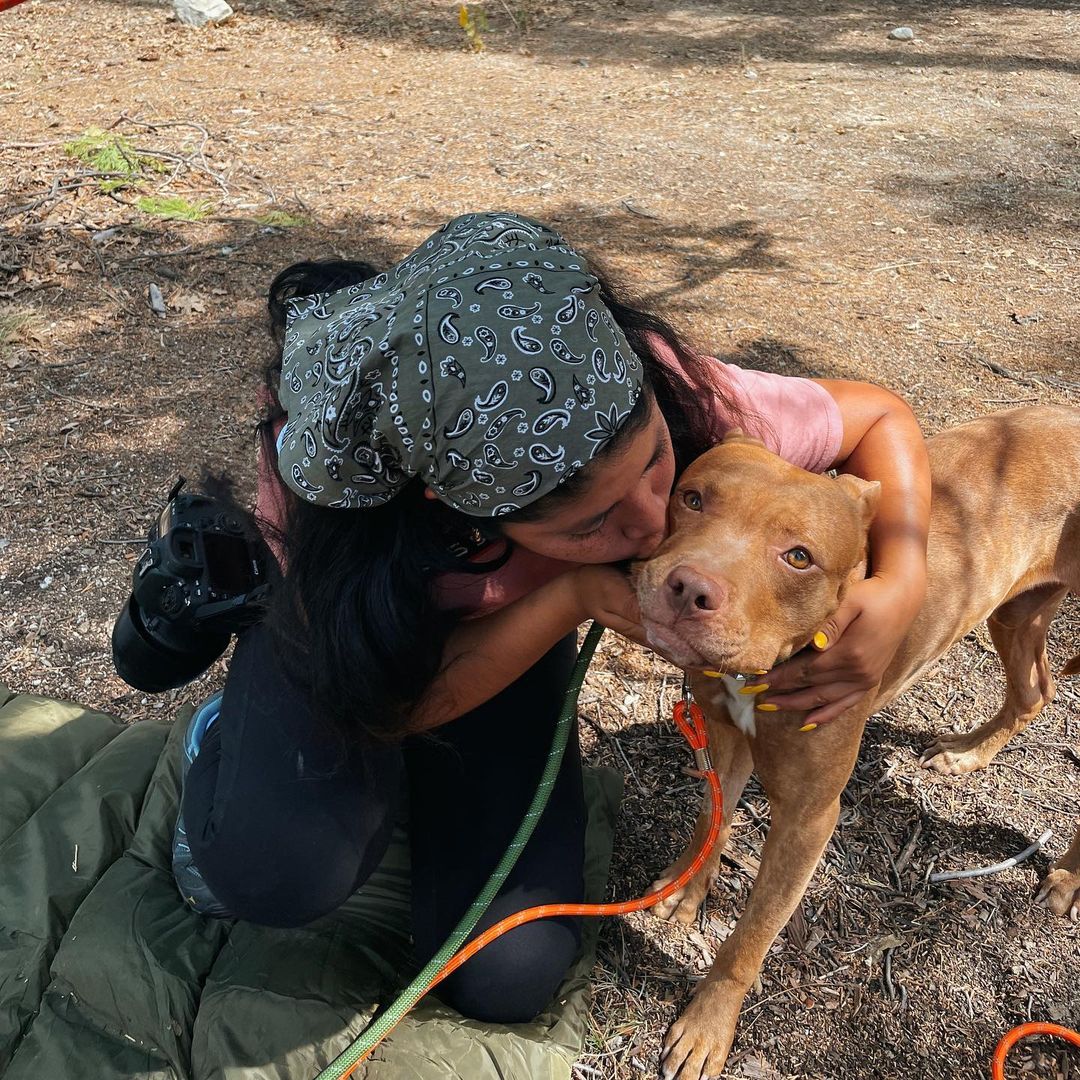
(204, 717)
(189, 881)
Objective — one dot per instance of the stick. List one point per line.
(640, 213)
(984, 871)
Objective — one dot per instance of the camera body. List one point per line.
(199, 580)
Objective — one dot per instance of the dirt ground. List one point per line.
(784, 182)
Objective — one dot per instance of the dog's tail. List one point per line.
(1072, 667)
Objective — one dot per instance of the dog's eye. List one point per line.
(799, 558)
(692, 499)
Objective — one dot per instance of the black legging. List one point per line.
(284, 827)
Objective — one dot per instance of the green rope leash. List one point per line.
(419, 986)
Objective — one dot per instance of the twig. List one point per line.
(640, 213)
(85, 179)
(199, 153)
(630, 768)
(984, 871)
(895, 266)
(1028, 378)
(78, 401)
(754, 816)
(506, 8)
(909, 848)
(797, 986)
(585, 1070)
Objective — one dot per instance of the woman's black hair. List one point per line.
(355, 615)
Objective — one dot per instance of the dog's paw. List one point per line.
(954, 755)
(683, 904)
(698, 1043)
(1060, 892)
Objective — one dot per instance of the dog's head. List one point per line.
(759, 553)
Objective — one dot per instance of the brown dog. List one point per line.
(759, 555)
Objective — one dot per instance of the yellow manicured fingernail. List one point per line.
(766, 707)
(760, 688)
(808, 727)
(820, 641)
(763, 671)
(713, 674)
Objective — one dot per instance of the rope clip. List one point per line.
(691, 721)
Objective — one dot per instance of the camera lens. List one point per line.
(145, 663)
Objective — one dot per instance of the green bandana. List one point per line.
(484, 363)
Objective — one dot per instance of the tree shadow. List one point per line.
(716, 35)
(1015, 195)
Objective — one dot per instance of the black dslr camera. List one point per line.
(201, 579)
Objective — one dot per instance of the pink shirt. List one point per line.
(795, 418)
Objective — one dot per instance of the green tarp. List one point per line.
(105, 973)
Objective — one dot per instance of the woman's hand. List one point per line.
(850, 654)
(606, 595)
(881, 442)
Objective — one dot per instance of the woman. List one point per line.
(468, 448)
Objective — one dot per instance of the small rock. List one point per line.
(45, 582)
(200, 12)
(4, 543)
(157, 301)
(902, 33)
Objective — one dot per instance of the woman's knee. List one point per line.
(276, 886)
(517, 975)
(281, 859)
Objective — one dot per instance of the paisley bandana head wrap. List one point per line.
(484, 363)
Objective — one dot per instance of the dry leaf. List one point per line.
(758, 1068)
(30, 334)
(187, 303)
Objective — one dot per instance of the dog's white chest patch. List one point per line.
(740, 706)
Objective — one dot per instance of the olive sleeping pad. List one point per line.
(105, 972)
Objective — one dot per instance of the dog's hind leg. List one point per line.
(732, 759)
(1018, 629)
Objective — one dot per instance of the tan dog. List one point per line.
(760, 554)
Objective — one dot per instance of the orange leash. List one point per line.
(997, 1069)
(691, 722)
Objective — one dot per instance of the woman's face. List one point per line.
(621, 514)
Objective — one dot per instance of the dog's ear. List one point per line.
(865, 493)
(735, 435)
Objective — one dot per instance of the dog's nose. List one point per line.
(691, 594)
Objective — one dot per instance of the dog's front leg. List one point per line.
(732, 760)
(1060, 889)
(803, 780)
